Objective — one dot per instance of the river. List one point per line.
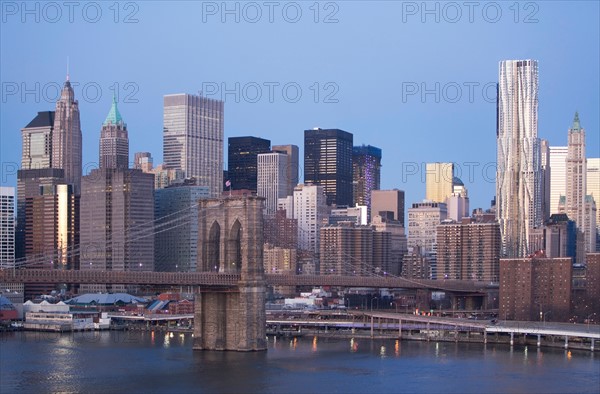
(157, 362)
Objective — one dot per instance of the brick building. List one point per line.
(535, 289)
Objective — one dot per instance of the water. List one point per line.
(146, 362)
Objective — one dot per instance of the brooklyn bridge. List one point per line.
(230, 280)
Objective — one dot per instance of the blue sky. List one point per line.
(355, 73)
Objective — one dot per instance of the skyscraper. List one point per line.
(558, 173)
(293, 165)
(388, 200)
(117, 215)
(37, 142)
(328, 162)
(546, 175)
(518, 177)
(36, 163)
(117, 222)
(7, 227)
(66, 138)
(366, 174)
(310, 208)
(438, 181)
(114, 143)
(272, 178)
(423, 220)
(576, 185)
(193, 138)
(593, 189)
(242, 161)
(176, 227)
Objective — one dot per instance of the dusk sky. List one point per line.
(358, 73)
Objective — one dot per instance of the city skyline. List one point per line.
(369, 88)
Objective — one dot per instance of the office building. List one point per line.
(546, 177)
(356, 215)
(117, 221)
(388, 201)
(52, 224)
(176, 227)
(535, 289)
(593, 189)
(423, 220)
(558, 174)
(143, 161)
(272, 183)
(384, 222)
(37, 142)
(66, 138)
(366, 173)
(165, 177)
(193, 139)
(242, 161)
(37, 156)
(310, 209)
(114, 142)
(438, 181)
(7, 227)
(328, 163)
(468, 250)
(518, 176)
(293, 166)
(347, 249)
(576, 185)
(557, 237)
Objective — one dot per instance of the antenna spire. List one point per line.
(68, 68)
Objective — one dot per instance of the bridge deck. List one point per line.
(207, 279)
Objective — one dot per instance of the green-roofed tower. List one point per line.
(576, 126)
(114, 116)
(114, 142)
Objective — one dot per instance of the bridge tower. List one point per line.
(230, 241)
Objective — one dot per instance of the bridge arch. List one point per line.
(234, 248)
(230, 241)
(213, 249)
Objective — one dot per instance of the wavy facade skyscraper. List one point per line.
(518, 176)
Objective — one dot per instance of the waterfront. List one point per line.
(164, 362)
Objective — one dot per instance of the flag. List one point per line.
(228, 184)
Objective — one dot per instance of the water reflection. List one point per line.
(80, 364)
(382, 352)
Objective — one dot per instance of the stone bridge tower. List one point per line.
(230, 241)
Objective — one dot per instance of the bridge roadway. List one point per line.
(514, 327)
(213, 279)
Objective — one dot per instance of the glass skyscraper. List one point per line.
(328, 163)
(366, 173)
(242, 161)
(193, 138)
(518, 177)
